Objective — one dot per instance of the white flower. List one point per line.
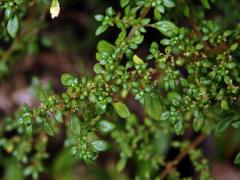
(54, 9)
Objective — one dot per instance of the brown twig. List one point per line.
(171, 164)
(134, 28)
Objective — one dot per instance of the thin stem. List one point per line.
(171, 164)
(142, 15)
(135, 28)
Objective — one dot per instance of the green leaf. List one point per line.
(12, 26)
(67, 79)
(42, 96)
(178, 127)
(11, 170)
(92, 97)
(104, 46)
(157, 14)
(237, 159)
(168, 3)
(98, 68)
(165, 42)
(63, 165)
(99, 17)
(4, 69)
(186, 11)
(121, 109)
(224, 104)
(137, 60)
(75, 125)
(153, 105)
(123, 3)
(100, 145)
(101, 29)
(174, 97)
(165, 115)
(59, 116)
(236, 125)
(199, 46)
(167, 28)
(121, 164)
(8, 12)
(110, 11)
(29, 129)
(234, 46)
(223, 125)
(205, 4)
(198, 123)
(48, 128)
(105, 126)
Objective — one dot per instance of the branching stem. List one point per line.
(172, 164)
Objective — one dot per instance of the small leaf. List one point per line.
(224, 104)
(104, 46)
(98, 68)
(105, 126)
(8, 12)
(42, 96)
(223, 124)
(153, 106)
(233, 46)
(99, 17)
(165, 115)
(48, 128)
(29, 129)
(236, 125)
(101, 29)
(157, 14)
(123, 3)
(59, 116)
(205, 4)
(4, 69)
(121, 164)
(175, 98)
(67, 79)
(92, 97)
(237, 159)
(186, 11)
(167, 28)
(122, 110)
(168, 3)
(178, 127)
(110, 11)
(137, 60)
(165, 42)
(198, 123)
(199, 46)
(75, 125)
(100, 145)
(12, 26)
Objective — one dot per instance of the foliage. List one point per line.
(189, 79)
(19, 29)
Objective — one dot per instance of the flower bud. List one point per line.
(54, 9)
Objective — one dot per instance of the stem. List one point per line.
(171, 164)
(134, 28)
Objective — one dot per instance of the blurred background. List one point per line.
(68, 44)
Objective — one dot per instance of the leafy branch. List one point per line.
(169, 166)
